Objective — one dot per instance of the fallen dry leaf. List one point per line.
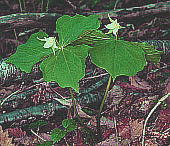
(108, 142)
(167, 88)
(139, 83)
(4, 138)
(136, 127)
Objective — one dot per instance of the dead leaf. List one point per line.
(4, 138)
(167, 88)
(81, 113)
(105, 121)
(136, 127)
(139, 83)
(150, 143)
(115, 95)
(108, 142)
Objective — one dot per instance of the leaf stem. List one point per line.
(105, 95)
(73, 101)
(107, 89)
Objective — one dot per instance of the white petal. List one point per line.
(48, 45)
(55, 46)
(109, 26)
(115, 31)
(111, 20)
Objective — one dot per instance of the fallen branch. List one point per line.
(40, 110)
(125, 13)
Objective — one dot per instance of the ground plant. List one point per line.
(62, 58)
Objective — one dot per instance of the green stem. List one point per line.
(107, 89)
(105, 95)
(73, 101)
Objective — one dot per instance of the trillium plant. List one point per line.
(62, 58)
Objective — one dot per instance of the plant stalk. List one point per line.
(73, 101)
(105, 95)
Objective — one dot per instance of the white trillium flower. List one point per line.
(113, 26)
(49, 42)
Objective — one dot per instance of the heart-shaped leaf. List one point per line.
(118, 57)
(89, 37)
(67, 67)
(69, 28)
(30, 53)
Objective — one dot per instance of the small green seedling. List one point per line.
(57, 134)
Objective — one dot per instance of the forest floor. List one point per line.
(31, 112)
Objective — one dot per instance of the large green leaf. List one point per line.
(69, 28)
(67, 67)
(81, 51)
(118, 57)
(29, 53)
(89, 37)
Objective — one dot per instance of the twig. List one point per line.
(95, 76)
(70, 3)
(16, 92)
(116, 132)
(10, 96)
(56, 92)
(151, 9)
(166, 130)
(37, 135)
(47, 7)
(20, 5)
(149, 115)
(117, 1)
